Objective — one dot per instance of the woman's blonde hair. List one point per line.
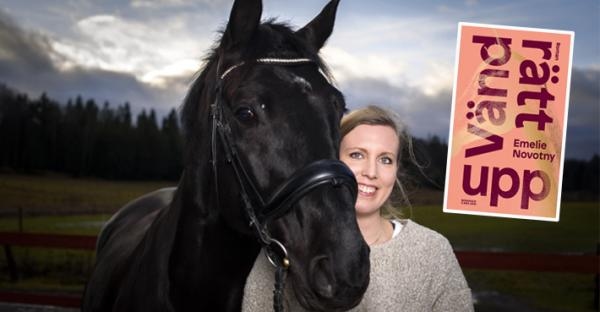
(376, 116)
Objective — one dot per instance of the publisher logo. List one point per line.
(469, 202)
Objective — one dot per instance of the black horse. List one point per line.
(261, 121)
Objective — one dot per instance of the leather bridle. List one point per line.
(258, 210)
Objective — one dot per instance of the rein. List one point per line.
(259, 211)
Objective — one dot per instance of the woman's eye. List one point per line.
(245, 114)
(356, 155)
(387, 161)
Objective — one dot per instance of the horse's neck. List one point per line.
(210, 263)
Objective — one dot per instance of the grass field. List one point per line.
(60, 195)
(62, 205)
(577, 231)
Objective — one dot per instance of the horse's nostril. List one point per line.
(322, 277)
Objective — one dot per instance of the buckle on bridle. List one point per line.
(281, 260)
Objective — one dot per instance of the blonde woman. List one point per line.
(413, 268)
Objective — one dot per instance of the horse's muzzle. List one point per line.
(336, 286)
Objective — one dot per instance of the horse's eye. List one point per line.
(339, 104)
(245, 114)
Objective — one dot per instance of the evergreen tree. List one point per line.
(173, 143)
(50, 117)
(10, 128)
(147, 143)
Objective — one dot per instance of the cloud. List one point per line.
(158, 3)
(30, 63)
(347, 65)
(22, 52)
(112, 43)
(395, 48)
(583, 130)
(424, 114)
(161, 4)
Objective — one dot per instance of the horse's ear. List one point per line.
(243, 21)
(319, 29)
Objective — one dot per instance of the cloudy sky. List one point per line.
(398, 54)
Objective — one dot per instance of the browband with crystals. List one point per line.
(269, 60)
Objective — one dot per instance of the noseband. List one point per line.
(259, 211)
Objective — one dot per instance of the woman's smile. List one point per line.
(366, 190)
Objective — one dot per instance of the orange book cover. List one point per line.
(508, 124)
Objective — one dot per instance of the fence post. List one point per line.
(12, 265)
(597, 282)
(20, 219)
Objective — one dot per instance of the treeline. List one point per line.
(581, 178)
(82, 138)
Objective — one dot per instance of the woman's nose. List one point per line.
(369, 169)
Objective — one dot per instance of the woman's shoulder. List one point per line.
(417, 235)
(419, 229)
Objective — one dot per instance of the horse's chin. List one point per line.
(312, 303)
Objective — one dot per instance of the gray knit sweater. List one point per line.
(414, 271)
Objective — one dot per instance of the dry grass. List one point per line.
(60, 195)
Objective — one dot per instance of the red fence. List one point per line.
(567, 263)
(48, 240)
(55, 241)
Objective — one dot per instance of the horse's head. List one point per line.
(275, 113)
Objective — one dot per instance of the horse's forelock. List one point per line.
(276, 39)
(280, 35)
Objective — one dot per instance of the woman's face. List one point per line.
(371, 153)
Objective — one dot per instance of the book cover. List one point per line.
(508, 124)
